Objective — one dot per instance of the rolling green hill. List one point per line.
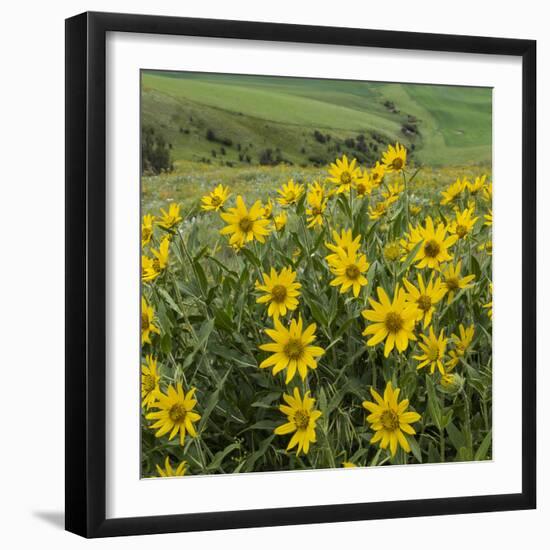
(234, 119)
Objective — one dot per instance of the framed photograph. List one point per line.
(300, 274)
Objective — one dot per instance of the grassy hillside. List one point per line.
(234, 119)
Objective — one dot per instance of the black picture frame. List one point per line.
(86, 274)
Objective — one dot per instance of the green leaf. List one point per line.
(410, 259)
(264, 445)
(223, 321)
(434, 406)
(263, 425)
(344, 204)
(170, 301)
(212, 402)
(317, 313)
(360, 218)
(415, 448)
(218, 457)
(166, 343)
(481, 453)
(266, 401)
(251, 257)
(201, 277)
(455, 436)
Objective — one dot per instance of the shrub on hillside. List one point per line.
(155, 152)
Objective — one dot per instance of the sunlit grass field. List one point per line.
(440, 125)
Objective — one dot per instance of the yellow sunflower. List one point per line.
(392, 193)
(364, 186)
(147, 229)
(343, 242)
(377, 174)
(477, 186)
(290, 193)
(486, 247)
(433, 349)
(344, 174)
(151, 268)
(216, 199)
(411, 239)
(487, 192)
(291, 349)
(389, 419)
(392, 321)
(169, 471)
(171, 218)
(462, 342)
(149, 382)
(280, 221)
(434, 250)
(321, 190)
(281, 291)
(316, 208)
(301, 420)
(463, 223)
(147, 322)
(453, 193)
(425, 297)
(160, 261)
(148, 272)
(175, 414)
(245, 225)
(489, 305)
(415, 209)
(268, 209)
(379, 210)
(395, 158)
(392, 251)
(349, 269)
(453, 282)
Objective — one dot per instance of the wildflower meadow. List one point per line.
(333, 316)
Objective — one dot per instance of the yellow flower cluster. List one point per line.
(403, 285)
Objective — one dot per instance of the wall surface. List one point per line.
(32, 307)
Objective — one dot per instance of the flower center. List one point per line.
(316, 211)
(389, 420)
(156, 264)
(278, 293)
(345, 178)
(432, 248)
(394, 321)
(361, 188)
(290, 196)
(144, 321)
(461, 231)
(424, 302)
(245, 225)
(216, 200)
(352, 272)
(148, 382)
(397, 163)
(452, 283)
(146, 233)
(177, 412)
(294, 349)
(433, 352)
(301, 419)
